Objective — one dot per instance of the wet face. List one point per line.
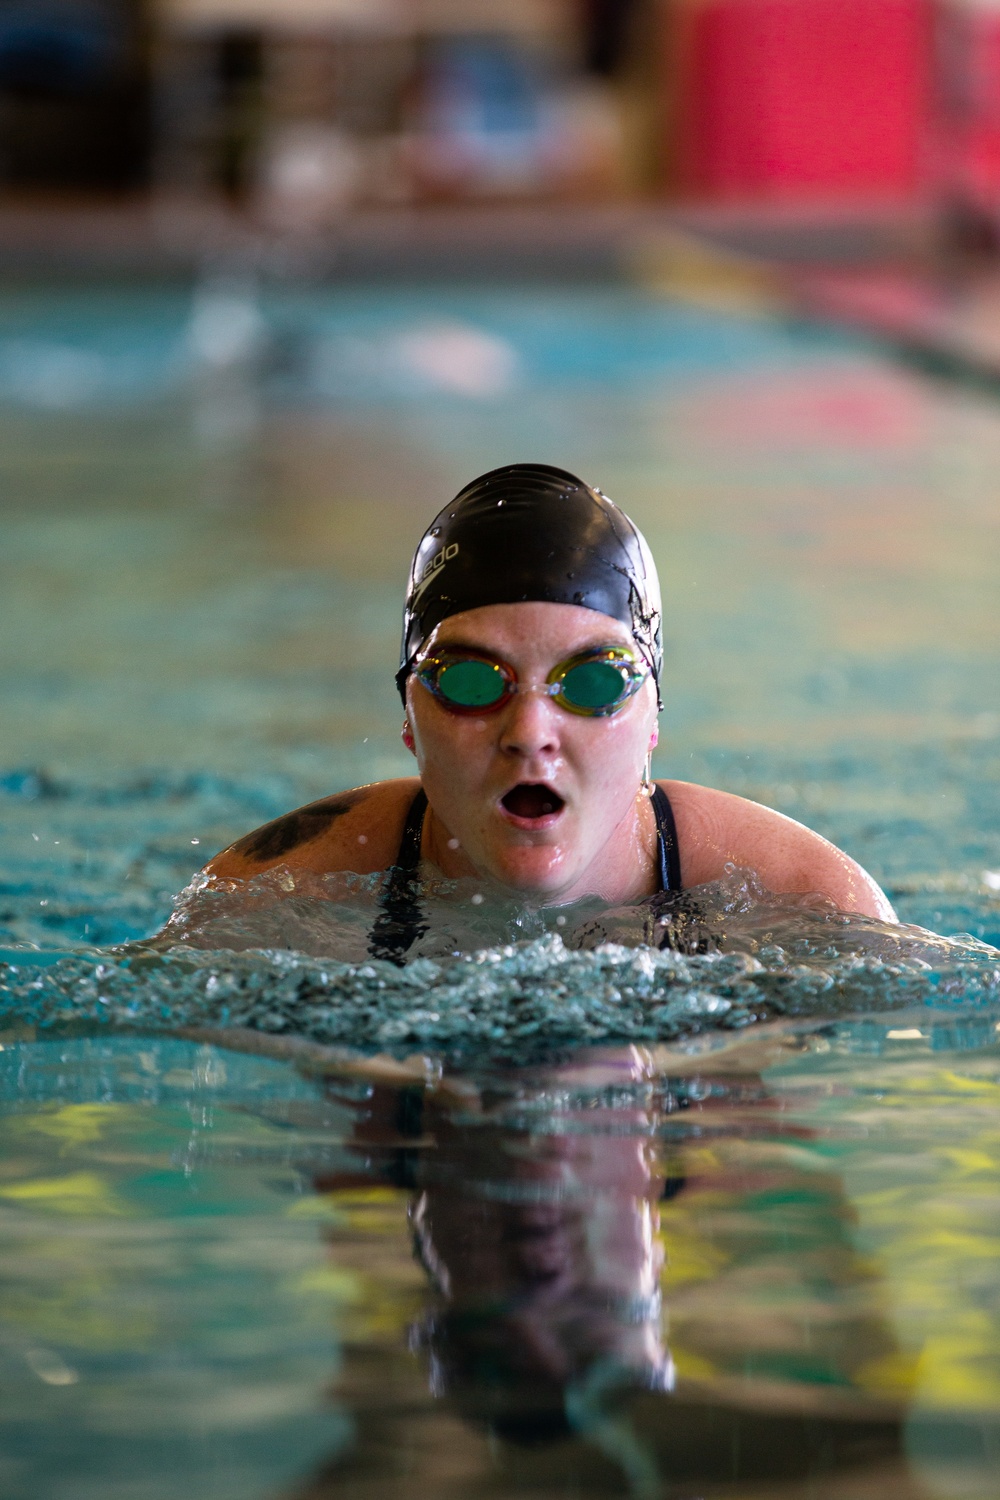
(543, 801)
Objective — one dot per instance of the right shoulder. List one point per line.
(358, 830)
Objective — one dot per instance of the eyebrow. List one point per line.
(463, 646)
(458, 646)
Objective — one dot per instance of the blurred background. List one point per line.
(276, 280)
(294, 116)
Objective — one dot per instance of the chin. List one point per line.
(540, 872)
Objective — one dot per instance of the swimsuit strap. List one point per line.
(668, 854)
(399, 924)
(408, 858)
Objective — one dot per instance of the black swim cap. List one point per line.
(529, 532)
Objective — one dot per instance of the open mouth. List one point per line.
(531, 799)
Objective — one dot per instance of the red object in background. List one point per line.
(788, 99)
(966, 150)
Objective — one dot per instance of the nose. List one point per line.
(530, 726)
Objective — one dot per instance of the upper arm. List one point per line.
(716, 829)
(357, 830)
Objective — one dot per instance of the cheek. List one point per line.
(449, 743)
(615, 758)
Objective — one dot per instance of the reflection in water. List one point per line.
(633, 1283)
(815, 1206)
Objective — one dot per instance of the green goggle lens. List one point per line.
(594, 685)
(471, 684)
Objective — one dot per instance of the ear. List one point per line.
(406, 736)
(654, 738)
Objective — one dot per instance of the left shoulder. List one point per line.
(717, 828)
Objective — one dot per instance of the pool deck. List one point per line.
(172, 234)
(872, 269)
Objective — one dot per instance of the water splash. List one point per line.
(493, 980)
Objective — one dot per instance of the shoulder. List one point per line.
(717, 828)
(357, 830)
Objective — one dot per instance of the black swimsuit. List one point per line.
(400, 922)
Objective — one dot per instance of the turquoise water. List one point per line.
(746, 1244)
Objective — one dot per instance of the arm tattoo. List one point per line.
(295, 828)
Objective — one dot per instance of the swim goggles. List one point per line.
(593, 683)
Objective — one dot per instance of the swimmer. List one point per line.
(531, 680)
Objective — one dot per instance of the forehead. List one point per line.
(532, 630)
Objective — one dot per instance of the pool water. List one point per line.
(744, 1242)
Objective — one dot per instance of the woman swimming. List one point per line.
(530, 675)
